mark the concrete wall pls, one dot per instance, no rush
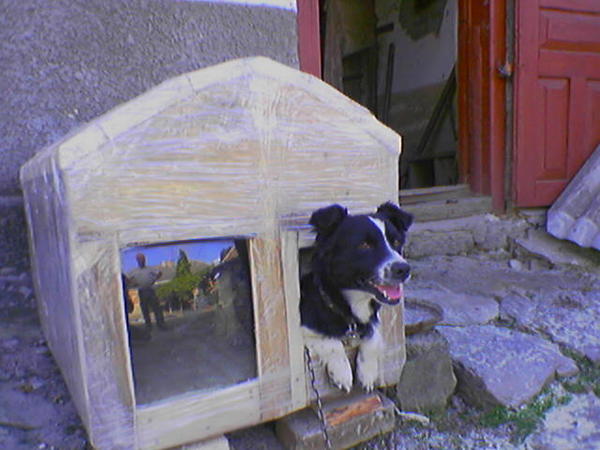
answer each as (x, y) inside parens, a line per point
(64, 62)
(424, 62)
(421, 68)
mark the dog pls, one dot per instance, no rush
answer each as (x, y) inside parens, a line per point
(357, 266)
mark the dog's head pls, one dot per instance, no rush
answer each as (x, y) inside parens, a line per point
(362, 252)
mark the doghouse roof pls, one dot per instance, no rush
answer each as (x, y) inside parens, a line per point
(219, 151)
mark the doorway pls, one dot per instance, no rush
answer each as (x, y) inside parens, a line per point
(398, 59)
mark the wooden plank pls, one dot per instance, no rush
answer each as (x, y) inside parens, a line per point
(393, 357)
(291, 284)
(197, 415)
(270, 318)
(107, 366)
(336, 414)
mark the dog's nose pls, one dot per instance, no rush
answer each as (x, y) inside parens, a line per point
(400, 270)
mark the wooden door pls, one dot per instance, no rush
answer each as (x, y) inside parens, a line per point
(557, 95)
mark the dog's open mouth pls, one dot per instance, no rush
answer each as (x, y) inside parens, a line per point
(389, 294)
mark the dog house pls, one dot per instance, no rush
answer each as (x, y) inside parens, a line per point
(231, 159)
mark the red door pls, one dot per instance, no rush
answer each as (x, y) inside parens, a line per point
(557, 95)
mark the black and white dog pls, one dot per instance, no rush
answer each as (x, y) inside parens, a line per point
(357, 266)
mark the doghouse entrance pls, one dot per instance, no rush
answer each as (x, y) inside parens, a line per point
(398, 59)
(190, 317)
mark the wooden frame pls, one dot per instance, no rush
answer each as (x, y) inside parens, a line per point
(245, 148)
(482, 97)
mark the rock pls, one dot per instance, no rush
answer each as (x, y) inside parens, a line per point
(458, 308)
(427, 379)
(573, 426)
(25, 292)
(500, 366)
(515, 264)
(550, 312)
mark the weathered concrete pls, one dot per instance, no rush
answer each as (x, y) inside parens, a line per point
(500, 366)
(575, 215)
(66, 62)
(427, 380)
(573, 426)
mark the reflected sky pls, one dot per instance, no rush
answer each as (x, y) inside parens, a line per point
(207, 251)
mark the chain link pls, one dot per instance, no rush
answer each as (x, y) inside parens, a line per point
(320, 413)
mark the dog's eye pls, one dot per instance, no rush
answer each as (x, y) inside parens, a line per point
(397, 243)
(365, 245)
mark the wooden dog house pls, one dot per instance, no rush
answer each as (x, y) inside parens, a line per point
(246, 149)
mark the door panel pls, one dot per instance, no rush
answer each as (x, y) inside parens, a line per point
(557, 95)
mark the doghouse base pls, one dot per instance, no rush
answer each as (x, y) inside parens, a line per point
(350, 420)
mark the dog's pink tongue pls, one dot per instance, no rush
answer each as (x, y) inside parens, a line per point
(393, 292)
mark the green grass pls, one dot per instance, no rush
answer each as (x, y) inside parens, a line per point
(588, 378)
(525, 420)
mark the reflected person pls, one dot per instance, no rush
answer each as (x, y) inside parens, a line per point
(143, 278)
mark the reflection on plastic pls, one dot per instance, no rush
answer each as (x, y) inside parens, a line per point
(190, 317)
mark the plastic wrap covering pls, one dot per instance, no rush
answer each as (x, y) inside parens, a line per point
(243, 150)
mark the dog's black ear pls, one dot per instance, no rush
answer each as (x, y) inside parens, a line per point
(326, 220)
(401, 219)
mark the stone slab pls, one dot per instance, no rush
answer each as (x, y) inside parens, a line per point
(303, 430)
(458, 308)
(501, 366)
(569, 317)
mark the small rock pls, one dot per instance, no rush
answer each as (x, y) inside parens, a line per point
(25, 292)
(427, 378)
(499, 366)
(515, 264)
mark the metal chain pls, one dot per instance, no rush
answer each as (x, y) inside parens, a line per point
(319, 402)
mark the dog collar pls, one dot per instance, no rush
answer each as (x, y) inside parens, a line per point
(356, 330)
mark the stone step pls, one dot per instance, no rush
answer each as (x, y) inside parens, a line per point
(350, 420)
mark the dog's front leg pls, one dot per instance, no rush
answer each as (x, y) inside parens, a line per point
(367, 360)
(332, 355)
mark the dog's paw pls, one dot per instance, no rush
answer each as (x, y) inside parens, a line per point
(340, 373)
(367, 373)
